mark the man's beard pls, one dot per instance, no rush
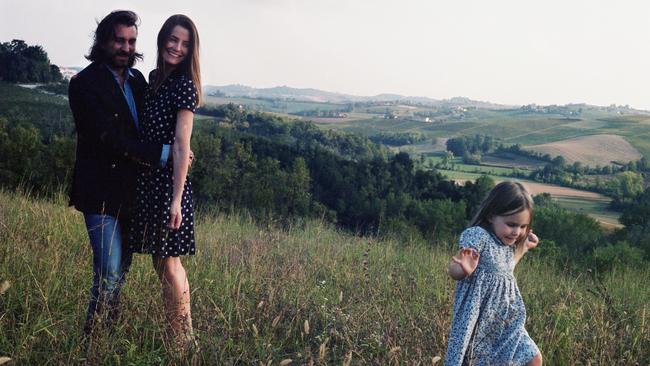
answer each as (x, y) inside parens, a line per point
(111, 57)
(120, 64)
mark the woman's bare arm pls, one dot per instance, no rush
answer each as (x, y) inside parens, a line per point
(181, 154)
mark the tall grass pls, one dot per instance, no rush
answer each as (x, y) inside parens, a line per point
(309, 294)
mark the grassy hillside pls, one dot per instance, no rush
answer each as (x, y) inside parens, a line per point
(527, 126)
(307, 293)
(524, 129)
(50, 114)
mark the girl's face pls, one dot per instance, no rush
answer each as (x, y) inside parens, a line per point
(177, 46)
(511, 228)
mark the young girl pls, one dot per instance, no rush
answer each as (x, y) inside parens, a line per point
(489, 313)
(164, 224)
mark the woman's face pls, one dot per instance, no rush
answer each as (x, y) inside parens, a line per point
(177, 46)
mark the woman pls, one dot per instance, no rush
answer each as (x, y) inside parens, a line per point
(163, 224)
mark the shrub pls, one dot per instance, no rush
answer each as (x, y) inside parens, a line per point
(620, 254)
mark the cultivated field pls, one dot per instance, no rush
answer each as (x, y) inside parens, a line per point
(304, 295)
(528, 128)
(593, 204)
(591, 150)
(512, 161)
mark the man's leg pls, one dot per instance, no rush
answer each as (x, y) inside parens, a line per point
(110, 264)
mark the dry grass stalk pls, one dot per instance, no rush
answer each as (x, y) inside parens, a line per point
(322, 350)
(4, 287)
(275, 321)
(348, 359)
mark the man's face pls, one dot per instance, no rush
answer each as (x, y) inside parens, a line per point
(121, 48)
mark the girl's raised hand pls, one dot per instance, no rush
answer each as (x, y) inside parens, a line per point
(531, 241)
(467, 259)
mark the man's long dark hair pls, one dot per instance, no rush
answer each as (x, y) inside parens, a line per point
(105, 33)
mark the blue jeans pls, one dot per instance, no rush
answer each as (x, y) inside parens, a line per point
(111, 262)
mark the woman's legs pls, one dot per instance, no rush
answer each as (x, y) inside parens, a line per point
(176, 296)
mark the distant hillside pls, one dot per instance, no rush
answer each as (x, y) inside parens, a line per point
(69, 71)
(315, 95)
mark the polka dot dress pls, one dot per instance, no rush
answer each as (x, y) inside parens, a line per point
(149, 232)
(489, 313)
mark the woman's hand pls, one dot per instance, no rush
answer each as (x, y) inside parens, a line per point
(175, 216)
(465, 261)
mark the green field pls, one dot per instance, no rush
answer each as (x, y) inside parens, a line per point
(457, 175)
(528, 131)
(280, 106)
(513, 126)
(458, 166)
(598, 208)
(308, 294)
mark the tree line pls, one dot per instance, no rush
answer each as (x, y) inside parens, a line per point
(22, 63)
(277, 169)
(257, 162)
(623, 183)
(398, 138)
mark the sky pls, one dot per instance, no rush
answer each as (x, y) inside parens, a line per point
(503, 51)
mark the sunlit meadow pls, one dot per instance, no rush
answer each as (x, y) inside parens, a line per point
(306, 294)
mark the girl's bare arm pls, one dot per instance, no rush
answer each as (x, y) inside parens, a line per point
(531, 242)
(463, 264)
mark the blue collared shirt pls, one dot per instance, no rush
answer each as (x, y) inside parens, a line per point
(128, 96)
(127, 92)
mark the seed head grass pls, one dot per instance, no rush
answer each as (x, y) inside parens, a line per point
(302, 294)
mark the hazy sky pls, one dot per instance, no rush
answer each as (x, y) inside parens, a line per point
(503, 51)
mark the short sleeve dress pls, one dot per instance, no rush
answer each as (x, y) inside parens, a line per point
(489, 313)
(148, 231)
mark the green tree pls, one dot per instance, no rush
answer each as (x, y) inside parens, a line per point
(22, 63)
(207, 168)
(575, 233)
(626, 185)
(298, 184)
(57, 170)
(22, 150)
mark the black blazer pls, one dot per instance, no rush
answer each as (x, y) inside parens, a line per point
(108, 148)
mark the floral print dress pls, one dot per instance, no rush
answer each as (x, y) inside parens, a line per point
(489, 313)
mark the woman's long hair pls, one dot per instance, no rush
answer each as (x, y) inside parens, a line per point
(105, 33)
(190, 64)
(505, 199)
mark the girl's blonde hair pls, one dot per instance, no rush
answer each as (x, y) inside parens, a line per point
(505, 199)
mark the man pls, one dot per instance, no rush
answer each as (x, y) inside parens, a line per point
(106, 98)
